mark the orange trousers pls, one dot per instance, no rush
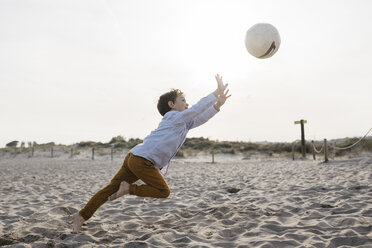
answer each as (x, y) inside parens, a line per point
(133, 169)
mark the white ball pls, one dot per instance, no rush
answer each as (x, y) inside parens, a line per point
(262, 40)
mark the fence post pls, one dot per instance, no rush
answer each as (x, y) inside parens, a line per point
(112, 153)
(333, 150)
(93, 153)
(212, 152)
(32, 151)
(293, 157)
(303, 148)
(325, 151)
(51, 152)
(72, 152)
(313, 149)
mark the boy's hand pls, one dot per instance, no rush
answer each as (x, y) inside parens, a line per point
(220, 86)
(220, 93)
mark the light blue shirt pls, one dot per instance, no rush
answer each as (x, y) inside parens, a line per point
(162, 144)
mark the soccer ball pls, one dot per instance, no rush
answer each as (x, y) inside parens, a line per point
(262, 40)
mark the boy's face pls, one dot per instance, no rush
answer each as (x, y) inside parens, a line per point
(179, 104)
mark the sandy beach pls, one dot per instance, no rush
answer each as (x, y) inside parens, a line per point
(269, 202)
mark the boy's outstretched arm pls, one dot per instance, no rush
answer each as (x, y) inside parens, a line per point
(221, 93)
(203, 104)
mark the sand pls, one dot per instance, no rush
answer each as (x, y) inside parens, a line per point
(233, 203)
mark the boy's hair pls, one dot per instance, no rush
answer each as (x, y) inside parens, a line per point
(163, 106)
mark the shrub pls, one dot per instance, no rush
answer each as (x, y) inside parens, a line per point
(180, 154)
(133, 142)
(117, 139)
(12, 144)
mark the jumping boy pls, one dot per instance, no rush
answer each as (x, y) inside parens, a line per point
(149, 160)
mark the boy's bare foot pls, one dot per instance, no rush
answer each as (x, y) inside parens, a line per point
(77, 221)
(123, 190)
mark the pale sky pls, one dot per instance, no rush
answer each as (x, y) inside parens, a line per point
(75, 70)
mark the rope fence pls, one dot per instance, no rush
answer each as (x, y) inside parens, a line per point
(350, 146)
(55, 151)
(110, 151)
(314, 147)
(325, 146)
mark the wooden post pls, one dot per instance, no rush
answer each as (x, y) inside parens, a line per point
(334, 151)
(313, 149)
(293, 157)
(303, 148)
(212, 152)
(303, 139)
(93, 153)
(72, 152)
(325, 151)
(51, 152)
(32, 151)
(112, 153)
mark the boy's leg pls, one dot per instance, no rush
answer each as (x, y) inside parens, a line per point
(123, 189)
(155, 185)
(124, 174)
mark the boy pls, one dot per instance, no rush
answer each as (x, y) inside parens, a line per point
(149, 160)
